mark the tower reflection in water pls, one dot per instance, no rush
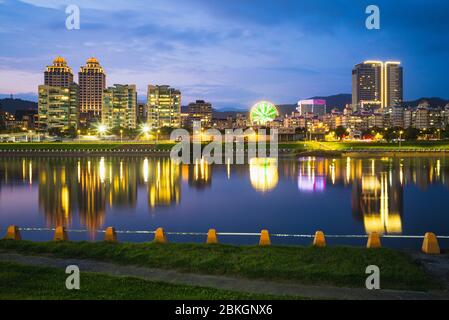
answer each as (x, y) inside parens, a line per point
(377, 192)
(162, 177)
(56, 199)
(92, 186)
(198, 175)
(379, 200)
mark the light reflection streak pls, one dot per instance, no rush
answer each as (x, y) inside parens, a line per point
(263, 174)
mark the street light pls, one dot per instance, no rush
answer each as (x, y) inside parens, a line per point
(101, 129)
(79, 137)
(121, 135)
(144, 130)
(400, 138)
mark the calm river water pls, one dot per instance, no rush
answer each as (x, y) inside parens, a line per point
(340, 196)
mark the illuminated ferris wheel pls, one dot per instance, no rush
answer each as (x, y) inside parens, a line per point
(263, 112)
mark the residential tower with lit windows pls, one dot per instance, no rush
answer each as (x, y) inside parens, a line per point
(164, 107)
(377, 84)
(201, 112)
(120, 107)
(92, 83)
(59, 74)
(58, 108)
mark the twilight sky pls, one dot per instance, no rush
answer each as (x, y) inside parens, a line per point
(229, 52)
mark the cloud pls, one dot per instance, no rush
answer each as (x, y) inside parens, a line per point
(231, 52)
(18, 81)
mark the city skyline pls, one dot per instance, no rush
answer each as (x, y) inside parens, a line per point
(227, 53)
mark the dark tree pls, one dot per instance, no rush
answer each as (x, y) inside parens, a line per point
(56, 132)
(411, 134)
(340, 132)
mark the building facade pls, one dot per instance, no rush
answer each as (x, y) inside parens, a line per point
(58, 107)
(164, 107)
(142, 113)
(395, 117)
(59, 74)
(241, 121)
(377, 84)
(7, 120)
(393, 87)
(92, 83)
(120, 107)
(366, 85)
(421, 118)
(312, 106)
(200, 111)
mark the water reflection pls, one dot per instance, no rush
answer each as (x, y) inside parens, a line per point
(89, 188)
(311, 175)
(378, 200)
(263, 174)
(163, 183)
(199, 175)
(377, 188)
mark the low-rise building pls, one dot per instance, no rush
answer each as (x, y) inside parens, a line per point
(241, 121)
(200, 111)
(421, 118)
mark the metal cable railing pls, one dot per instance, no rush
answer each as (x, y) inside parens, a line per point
(243, 234)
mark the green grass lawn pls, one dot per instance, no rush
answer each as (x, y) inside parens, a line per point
(104, 146)
(340, 266)
(298, 146)
(346, 145)
(42, 283)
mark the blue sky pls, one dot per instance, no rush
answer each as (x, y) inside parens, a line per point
(229, 52)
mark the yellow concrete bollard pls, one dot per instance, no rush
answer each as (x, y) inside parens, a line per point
(212, 237)
(159, 236)
(373, 241)
(60, 234)
(430, 244)
(13, 233)
(264, 238)
(319, 240)
(110, 235)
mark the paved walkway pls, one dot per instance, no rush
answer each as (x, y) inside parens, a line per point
(220, 282)
(438, 265)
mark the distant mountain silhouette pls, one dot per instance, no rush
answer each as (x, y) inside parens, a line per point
(433, 102)
(286, 108)
(28, 96)
(12, 105)
(338, 101)
(218, 114)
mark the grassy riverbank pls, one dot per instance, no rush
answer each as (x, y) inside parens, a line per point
(349, 146)
(43, 283)
(80, 146)
(298, 146)
(339, 266)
